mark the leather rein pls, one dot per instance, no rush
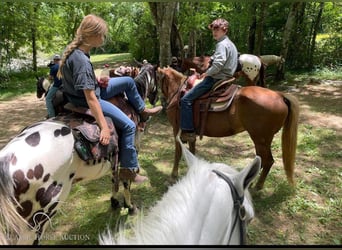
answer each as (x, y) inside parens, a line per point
(238, 205)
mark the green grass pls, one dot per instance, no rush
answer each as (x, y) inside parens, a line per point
(99, 60)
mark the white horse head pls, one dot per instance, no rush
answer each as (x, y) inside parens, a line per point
(199, 209)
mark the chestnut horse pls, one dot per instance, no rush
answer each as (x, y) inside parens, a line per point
(259, 111)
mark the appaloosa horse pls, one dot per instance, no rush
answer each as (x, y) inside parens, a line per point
(259, 111)
(249, 66)
(37, 170)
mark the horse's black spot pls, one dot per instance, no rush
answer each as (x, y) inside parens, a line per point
(33, 139)
(46, 178)
(21, 183)
(71, 176)
(57, 132)
(25, 209)
(30, 174)
(38, 171)
(44, 197)
(40, 194)
(63, 131)
(52, 207)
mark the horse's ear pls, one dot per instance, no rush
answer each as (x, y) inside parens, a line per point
(249, 173)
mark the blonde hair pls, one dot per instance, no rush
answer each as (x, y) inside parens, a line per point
(91, 25)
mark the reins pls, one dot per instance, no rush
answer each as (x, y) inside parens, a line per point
(238, 205)
(176, 92)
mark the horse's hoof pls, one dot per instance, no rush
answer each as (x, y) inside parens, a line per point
(171, 181)
(115, 204)
(132, 210)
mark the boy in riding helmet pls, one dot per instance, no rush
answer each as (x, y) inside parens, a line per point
(223, 66)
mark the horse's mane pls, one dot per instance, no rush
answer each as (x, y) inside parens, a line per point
(174, 73)
(178, 216)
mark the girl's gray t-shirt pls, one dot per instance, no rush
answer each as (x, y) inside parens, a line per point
(78, 74)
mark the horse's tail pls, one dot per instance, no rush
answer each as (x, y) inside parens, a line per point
(10, 220)
(289, 136)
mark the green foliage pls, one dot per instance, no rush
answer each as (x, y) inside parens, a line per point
(132, 30)
(19, 83)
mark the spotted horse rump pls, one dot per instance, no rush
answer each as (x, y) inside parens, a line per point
(37, 169)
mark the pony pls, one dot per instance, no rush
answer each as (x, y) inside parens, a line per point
(268, 60)
(201, 209)
(145, 82)
(34, 182)
(259, 111)
(249, 66)
(43, 85)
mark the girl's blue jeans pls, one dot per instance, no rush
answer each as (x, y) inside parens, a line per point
(126, 128)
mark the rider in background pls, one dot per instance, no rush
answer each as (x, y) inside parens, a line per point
(174, 64)
(223, 66)
(82, 89)
(54, 88)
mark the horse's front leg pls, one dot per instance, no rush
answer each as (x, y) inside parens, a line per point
(192, 147)
(177, 157)
(132, 209)
(115, 204)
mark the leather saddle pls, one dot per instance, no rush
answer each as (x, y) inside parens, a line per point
(217, 99)
(87, 135)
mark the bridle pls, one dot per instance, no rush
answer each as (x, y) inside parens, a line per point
(238, 205)
(147, 80)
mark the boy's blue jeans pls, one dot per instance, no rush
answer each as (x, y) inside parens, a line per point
(188, 99)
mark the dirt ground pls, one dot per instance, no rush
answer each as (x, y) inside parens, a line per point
(320, 107)
(20, 112)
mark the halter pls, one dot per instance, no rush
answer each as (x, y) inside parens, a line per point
(238, 205)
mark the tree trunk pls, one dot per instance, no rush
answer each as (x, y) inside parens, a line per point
(291, 20)
(252, 28)
(163, 13)
(34, 36)
(192, 44)
(260, 28)
(314, 34)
